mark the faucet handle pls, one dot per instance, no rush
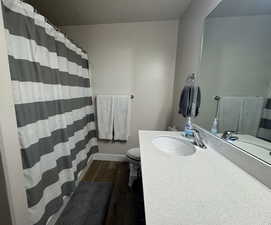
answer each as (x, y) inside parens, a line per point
(195, 130)
(228, 133)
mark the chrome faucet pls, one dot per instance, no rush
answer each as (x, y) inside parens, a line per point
(198, 140)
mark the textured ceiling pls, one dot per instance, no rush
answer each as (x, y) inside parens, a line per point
(83, 12)
(242, 8)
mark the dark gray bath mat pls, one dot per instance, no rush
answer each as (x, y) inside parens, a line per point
(88, 204)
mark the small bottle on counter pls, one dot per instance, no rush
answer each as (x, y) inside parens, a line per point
(188, 132)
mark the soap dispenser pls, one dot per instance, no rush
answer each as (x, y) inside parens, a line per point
(214, 129)
(188, 132)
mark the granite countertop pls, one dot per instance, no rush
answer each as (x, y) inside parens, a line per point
(202, 189)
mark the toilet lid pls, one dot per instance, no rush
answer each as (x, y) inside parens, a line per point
(134, 154)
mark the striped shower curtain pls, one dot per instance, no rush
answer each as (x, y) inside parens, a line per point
(265, 125)
(55, 116)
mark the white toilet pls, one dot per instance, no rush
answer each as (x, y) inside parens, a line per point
(133, 156)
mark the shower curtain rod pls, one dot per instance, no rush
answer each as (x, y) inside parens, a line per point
(56, 28)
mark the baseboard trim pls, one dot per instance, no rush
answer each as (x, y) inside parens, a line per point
(110, 157)
(83, 172)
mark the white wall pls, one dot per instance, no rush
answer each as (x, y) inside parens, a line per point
(133, 58)
(189, 48)
(9, 142)
(236, 61)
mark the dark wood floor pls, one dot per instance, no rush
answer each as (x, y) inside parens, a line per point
(126, 205)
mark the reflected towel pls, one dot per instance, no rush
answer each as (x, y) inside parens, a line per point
(251, 115)
(230, 110)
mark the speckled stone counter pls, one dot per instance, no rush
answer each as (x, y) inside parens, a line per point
(202, 189)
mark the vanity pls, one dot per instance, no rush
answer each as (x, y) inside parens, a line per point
(229, 181)
(202, 188)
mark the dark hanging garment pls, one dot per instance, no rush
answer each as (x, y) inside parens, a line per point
(186, 101)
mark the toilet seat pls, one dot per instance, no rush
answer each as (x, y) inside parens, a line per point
(134, 154)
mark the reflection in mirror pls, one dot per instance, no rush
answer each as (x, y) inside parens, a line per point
(235, 75)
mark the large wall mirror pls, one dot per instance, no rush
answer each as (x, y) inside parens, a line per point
(235, 75)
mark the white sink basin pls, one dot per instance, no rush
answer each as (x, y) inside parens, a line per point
(174, 145)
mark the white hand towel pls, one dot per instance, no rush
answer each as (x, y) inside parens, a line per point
(230, 110)
(252, 112)
(105, 113)
(121, 106)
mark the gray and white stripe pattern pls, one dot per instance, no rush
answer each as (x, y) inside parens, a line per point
(265, 124)
(54, 110)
